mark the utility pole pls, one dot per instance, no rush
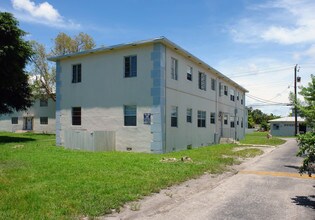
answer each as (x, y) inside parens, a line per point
(295, 102)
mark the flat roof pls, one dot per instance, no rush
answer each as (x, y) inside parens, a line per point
(163, 40)
(288, 119)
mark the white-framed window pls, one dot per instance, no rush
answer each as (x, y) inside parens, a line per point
(189, 115)
(220, 89)
(130, 115)
(226, 89)
(189, 73)
(212, 118)
(201, 122)
(174, 116)
(43, 102)
(213, 84)
(76, 115)
(225, 119)
(232, 95)
(14, 120)
(242, 101)
(76, 73)
(202, 81)
(43, 120)
(238, 96)
(130, 66)
(232, 121)
(174, 69)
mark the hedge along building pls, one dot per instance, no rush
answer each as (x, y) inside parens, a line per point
(152, 96)
(40, 117)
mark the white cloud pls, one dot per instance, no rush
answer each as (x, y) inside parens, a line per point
(43, 13)
(283, 22)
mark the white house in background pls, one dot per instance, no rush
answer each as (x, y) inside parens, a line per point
(40, 117)
(286, 126)
(153, 96)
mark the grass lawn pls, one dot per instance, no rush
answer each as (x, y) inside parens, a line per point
(41, 181)
(261, 138)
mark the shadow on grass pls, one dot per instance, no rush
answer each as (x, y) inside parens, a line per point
(8, 139)
(306, 201)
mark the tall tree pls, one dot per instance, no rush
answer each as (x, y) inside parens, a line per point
(307, 140)
(15, 52)
(44, 73)
(64, 44)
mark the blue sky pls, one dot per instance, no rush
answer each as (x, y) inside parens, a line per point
(256, 43)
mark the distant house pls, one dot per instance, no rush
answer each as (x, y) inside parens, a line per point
(40, 117)
(148, 96)
(286, 126)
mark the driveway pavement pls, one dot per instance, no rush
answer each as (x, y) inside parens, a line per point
(267, 187)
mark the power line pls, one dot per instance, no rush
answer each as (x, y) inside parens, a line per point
(258, 72)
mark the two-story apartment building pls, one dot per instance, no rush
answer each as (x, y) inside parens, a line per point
(40, 117)
(153, 95)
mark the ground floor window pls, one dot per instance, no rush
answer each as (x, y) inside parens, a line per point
(43, 120)
(130, 115)
(14, 120)
(275, 126)
(225, 119)
(212, 118)
(189, 115)
(76, 115)
(174, 116)
(232, 121)
(201, 119)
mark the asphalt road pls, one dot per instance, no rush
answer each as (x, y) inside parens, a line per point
(268, 187)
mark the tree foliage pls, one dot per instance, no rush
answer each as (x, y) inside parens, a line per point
(44, 73)
(15, 52)
(257, 117)
(307, 140)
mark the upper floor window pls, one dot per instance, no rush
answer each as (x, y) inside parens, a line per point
(174, 116)
(213, 84)
(212, 118)
(189, 73)
(130, 115)
(226, 89)
(130, 66)
(238, 96)
(232, 95)
(76, 115)
(201, 119)
(189, 115)
(220, 89)
(14, 120)
(43, 102)
(43, 120)
(174, 69)
(76, 73)
(242, 99)
(202, 81)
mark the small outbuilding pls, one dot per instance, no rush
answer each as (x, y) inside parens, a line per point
(286, 126)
